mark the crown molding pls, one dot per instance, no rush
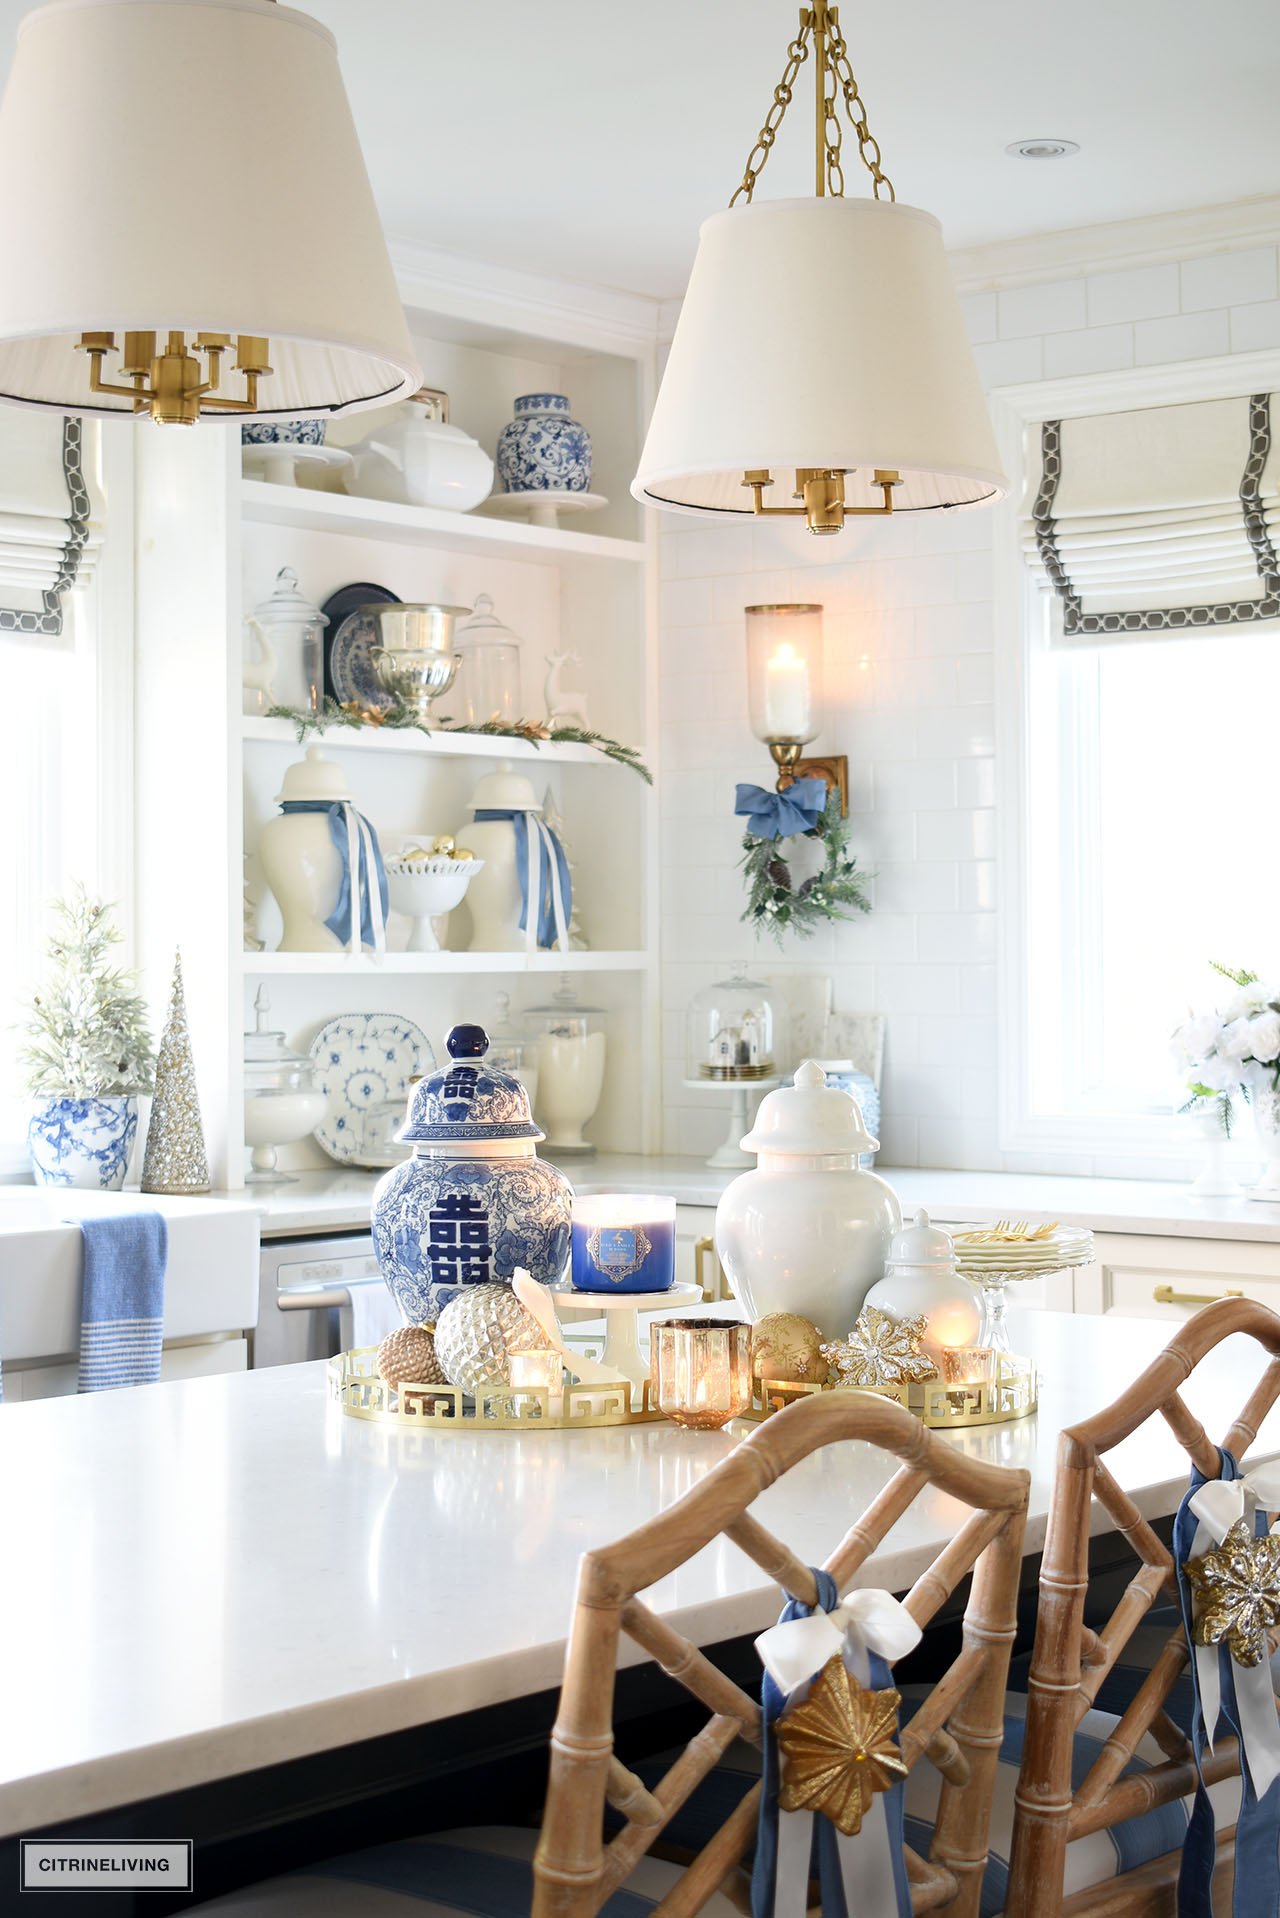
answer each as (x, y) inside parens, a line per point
(1093, 249)
(565, 312)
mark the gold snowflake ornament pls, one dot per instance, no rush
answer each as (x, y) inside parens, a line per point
(881, 1350)
(837, 1748)
(1237, 1588)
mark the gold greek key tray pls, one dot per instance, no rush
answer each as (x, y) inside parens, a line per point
(1011, 1394)
(354, 1385)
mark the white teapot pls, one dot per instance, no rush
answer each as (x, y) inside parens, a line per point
(807, 1231)
(419, 458)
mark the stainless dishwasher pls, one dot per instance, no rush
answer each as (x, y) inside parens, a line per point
(304, 1295)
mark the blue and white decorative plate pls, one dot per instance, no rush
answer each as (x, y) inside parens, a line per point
(348, 666)
(364, 1062)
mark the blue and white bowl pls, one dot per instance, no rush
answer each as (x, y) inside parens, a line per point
(543, 449)
(474, 1201)
(83, 1142)
(283, 433)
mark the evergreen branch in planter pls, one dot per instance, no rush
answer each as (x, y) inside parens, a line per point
(87, 1026)
(399, 717)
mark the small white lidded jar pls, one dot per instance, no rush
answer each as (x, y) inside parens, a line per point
(921, 1278)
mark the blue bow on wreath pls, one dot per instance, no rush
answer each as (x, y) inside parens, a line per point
(773, 815)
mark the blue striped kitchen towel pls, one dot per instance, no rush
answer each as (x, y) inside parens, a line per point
(122, 1305)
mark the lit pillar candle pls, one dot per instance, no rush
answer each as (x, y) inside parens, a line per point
(623, 1242)
(786, 694)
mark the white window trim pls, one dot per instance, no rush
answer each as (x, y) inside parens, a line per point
(1013, 408)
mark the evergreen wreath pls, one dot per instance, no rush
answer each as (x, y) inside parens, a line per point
(838, 891)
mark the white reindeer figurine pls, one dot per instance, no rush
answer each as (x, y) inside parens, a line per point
(259, 676)
(562, 705)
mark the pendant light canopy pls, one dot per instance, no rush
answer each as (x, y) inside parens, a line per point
(188, 227)
(820, 366)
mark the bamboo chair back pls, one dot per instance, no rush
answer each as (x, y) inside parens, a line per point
(959, 1725)
(1070, 1661)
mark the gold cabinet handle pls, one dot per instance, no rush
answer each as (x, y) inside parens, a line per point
(701, 1247)
(1165, 1295)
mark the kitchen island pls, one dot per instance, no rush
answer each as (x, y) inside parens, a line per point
(227, 1574)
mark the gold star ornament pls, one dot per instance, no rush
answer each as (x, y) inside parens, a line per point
(1237, 1588)
(837, 1748)
(882, 1350)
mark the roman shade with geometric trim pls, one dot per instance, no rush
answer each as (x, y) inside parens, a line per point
(1161, 521)
(50, 520)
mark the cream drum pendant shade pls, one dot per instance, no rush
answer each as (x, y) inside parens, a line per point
(822, 333)
(191, 164)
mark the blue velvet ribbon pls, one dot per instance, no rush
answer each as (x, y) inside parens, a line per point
(1257, 1850)
(339, 920)
(549, 874)
(774, 815)
(825, 1862)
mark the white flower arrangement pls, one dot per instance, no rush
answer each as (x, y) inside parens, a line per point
(1236, 1049)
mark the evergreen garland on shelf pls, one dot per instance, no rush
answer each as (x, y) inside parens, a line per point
(399, 717)
(774, 901)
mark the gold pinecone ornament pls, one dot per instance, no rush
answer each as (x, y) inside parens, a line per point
(408, 1356)
(175, 1159)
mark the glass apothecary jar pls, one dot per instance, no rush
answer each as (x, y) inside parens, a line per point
(734, 1030)
(287, 630)
(511, 1050)
(569, 1051)
(282, 1102)
(488, 683)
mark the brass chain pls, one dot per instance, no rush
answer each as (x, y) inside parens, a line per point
(797, 54)
(843, 78)
(868, 145)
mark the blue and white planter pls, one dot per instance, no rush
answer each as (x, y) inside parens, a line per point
(474, 1201)
(83, 1142)
(543, 449)
(284, 433)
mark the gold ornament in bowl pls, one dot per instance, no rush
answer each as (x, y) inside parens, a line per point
(1237, 1588)
(838, 1748)
(787, 1347)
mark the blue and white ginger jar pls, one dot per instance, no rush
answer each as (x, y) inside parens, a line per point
(544, 450)
(83, 1142)
(474, 1201)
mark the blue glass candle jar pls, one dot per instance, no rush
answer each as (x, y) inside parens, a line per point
(623, 1242)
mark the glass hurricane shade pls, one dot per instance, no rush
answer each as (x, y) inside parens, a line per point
(784, 672)
(822, 333)
(191, 164)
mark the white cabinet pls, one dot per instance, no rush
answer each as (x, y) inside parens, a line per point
(1147, 1277)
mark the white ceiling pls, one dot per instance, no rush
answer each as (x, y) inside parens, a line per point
(587, 138)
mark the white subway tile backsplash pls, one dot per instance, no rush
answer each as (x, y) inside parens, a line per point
(978, 886)
(976, 782)
(709, 550)
(897, 1141)
(956, 629)
(917, 886)
(962, 937)
(960, 1145)
(947, 1040)
(957, 834)
(979, 311)
(975, 679)
(1229, 279)
(967, 729)
(1010, 362)
(1254, 328)
(685, 602)
(918, 988)
(909, 784)
(1136, 293)
(1093, 349)
(1190, 336)
(879, 939)
(1051, 307)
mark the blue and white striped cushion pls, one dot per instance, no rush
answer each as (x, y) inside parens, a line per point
(485, 1872)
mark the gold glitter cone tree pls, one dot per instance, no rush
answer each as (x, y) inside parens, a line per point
(175, 1159)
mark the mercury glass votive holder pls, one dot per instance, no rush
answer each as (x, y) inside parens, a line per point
(700, 1370)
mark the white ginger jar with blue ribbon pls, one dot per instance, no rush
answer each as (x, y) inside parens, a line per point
(544, 449)
(474, 1201)
(322, 861)
(522, 898)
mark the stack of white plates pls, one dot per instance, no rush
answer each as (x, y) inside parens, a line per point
(1014, 1250)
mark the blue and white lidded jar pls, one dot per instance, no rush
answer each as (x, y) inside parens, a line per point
(474, 1201)
(543, 449)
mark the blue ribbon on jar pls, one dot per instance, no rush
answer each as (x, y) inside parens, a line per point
(781, 815)
(544, 877)
(360, 916)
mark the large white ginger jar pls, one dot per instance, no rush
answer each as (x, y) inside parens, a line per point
(299, 859)
(921, 1279)
(807, 1231)
(495, 897)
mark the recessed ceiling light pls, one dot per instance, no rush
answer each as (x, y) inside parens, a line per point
(1042, 149)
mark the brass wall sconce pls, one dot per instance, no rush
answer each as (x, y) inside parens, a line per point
(784, 693)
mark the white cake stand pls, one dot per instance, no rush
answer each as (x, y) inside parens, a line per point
(728, 1155)
(621, 1315)
(542, 506)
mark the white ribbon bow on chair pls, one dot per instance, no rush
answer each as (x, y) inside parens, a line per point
(1218, 1505)
(793, 1653)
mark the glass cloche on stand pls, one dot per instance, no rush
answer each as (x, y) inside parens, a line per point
(569, 1054)
(282, 1102)
(734, 1041)
(488, 682)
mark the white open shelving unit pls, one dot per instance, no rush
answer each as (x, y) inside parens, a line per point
(208, 546)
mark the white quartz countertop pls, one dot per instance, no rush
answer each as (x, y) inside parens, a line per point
(339, 1200)
(222, 1573)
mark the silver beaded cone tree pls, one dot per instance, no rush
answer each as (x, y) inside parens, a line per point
(175, 1159)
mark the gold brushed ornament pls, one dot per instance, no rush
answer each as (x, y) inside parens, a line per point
(787, 1347)
(837, 1748)
(1237, 1588)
